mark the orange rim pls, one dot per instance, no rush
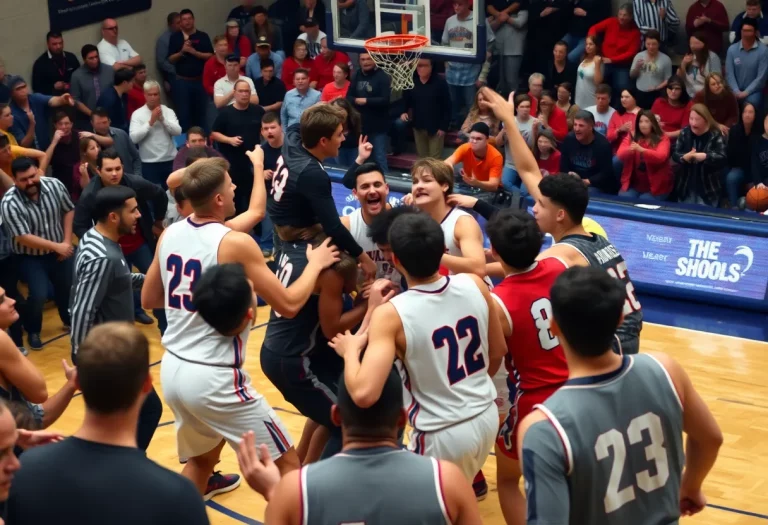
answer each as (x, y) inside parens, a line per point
(395, 43)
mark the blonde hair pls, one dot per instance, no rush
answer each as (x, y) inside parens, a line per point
(702, 111)
(203, 179)
(442, 172)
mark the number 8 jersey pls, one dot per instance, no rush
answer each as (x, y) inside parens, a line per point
(445, 365)
(186, 251)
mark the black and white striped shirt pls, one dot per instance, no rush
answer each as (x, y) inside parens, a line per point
(42, 217)
(103, 286)
(646, 14)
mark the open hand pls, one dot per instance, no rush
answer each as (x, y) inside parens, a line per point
(257, 467)
(463, 201)
(346, 342)
(325, 255)
(256, 155)
(34, 438)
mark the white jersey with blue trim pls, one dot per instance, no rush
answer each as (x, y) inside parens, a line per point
(359, 230)
(445, 363)
(186, 251)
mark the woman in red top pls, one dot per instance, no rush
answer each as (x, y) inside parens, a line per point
(672, 111)
(552, 116)
(340, 85)
(298, 60)
(720, 101)
(545, 151)
(238, 44)
(622, 122)
(647, 173)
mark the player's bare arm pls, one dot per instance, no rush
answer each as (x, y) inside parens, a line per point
(285, 504)
(469, 238)
(460, 500)
(566, 253)
(331, 306)
(365, 378)
(241, 248)
(503, 316)
(497, 345)
(174, 179)
(257, 206)
(703, 436)
(20, 372)
(153, 293)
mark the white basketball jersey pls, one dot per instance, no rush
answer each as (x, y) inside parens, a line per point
(359, 230)
(186, 251)
(449, 225)
(445, 366)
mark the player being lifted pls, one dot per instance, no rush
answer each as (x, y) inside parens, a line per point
(561, 202)
(202, 376)
(446, 332)
(607, 447)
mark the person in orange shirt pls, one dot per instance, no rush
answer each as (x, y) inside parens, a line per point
(482, 163)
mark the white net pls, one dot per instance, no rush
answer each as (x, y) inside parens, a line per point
(389, 55)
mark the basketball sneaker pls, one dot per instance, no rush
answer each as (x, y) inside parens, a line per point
(480, 486)
(220, 483)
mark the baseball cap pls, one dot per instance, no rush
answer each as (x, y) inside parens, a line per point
(233, 23)
(262, 41)
(232, 58)
(310, 22)
(15, 81)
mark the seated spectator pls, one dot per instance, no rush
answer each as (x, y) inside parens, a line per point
(623, 121)
(700, 151)
(237, 43)
(621, 42)
(481, 162)
(153, 127)
(312, 36)
(224, 88)
(562, 69)
(552, 117)
(109, 137)
(510, 179)
(565, 102)
(760, 159)
(261, 26)
(370, 95)
(720, 101)
(41, 239)
(64, 153)
(340, 85)
(743, 143)
(652, 69)
(753, 10)
(89, 156)
(299, 60)
(697, 63)
(535, 87)
(646, 173)
(324, 66)
(589, 74)
(709, 19)
(349, 150)
(298, 99)
(269, 88)
(31, 117)
(476, 114)
(114, 51)
(264, 52)
(602, 110)
(587, 154)
(672, 110)
(113, 99)
(196, 138)
(113, 374)
(135, 96)
(746, 64)
(546, 153)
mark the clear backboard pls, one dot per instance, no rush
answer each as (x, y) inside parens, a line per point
(466, 43)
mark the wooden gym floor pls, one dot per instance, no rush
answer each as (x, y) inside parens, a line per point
(730, 373)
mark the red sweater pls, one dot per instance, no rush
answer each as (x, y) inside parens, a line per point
(657, 165)
(671, 118)
(712, 31)
(135, 100)
(289, 68)
(551, 165)
(558, 123)
(617, 120)
(619, 44)
(212, 71)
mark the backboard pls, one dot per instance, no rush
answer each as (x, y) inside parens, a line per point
(467, 42)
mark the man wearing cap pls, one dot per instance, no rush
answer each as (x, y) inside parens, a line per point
(30, 112)
(263, 52)
(224, 88)
(215, 67)
(481, 162)
(322, 66)
(312, 37)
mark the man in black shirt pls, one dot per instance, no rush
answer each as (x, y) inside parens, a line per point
(53, 69)
(237, 129)
(561, 69)
(98, 475)
(188, 50)
(301, 202)
(271, 89)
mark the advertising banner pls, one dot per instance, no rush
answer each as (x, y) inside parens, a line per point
(69, 14)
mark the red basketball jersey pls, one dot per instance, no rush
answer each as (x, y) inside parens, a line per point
(534, 355)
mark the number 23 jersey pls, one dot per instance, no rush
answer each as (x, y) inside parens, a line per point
(445, 365)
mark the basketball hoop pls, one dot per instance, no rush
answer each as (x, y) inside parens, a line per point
(397, 55)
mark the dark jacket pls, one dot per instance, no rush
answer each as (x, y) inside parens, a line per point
(48, 70)
(427, 104)
(593, 161)
(740, 146)
(597, 10)
(373, 86)
(704, 178)
(150, 197)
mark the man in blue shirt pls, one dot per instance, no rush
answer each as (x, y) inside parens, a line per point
(298, 99)
(746, 65)
(30, 110)
(113, 98)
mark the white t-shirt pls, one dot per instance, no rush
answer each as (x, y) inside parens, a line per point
(109, 54)
(224, 87)
(601, 119)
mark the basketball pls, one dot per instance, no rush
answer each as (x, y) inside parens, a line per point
(757, 199)
(592, 226)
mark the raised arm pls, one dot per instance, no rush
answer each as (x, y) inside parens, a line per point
(257, 207)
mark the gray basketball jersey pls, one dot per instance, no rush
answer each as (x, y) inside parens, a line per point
(611, 450)
(301, 335)
(375, 486)
(598, 251)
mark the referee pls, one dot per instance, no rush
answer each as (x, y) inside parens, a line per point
(103, 289)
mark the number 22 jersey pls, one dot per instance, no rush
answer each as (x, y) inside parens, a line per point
(445, 364)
